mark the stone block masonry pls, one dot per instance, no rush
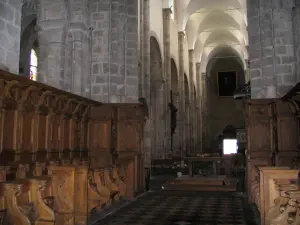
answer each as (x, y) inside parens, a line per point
(10, 28)
(271, 47)
(114, 50)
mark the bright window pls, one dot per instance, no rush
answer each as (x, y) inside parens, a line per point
(33, 65)
(230, 146)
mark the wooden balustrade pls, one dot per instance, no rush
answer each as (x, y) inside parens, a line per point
(63, 157)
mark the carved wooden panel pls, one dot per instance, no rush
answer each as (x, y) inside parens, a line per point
(42, 132)
(259, 128)
(27, 123)
(99, 135)
(66, 135)
(259, 135)
(102, 112)
(46, 131)
(128, 138)
(9, 128)
(287, 134)
(130, 112)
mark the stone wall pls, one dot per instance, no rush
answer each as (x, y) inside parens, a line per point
(271, 47)
(114, 50)
(224, 111)
(10, 31)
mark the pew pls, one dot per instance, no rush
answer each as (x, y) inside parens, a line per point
(63, 157)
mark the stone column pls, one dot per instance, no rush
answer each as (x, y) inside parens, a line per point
(78, 58)
(203, 111)
(115, 50)
(167, 75)
(176, 137)
(159, 139)
(191, 94)
(296, 31)
(198, 108)
(187, 126)
(271, 48)
(52, 24)
(81, 82)
(181, 108)
(144, 77)
(10, 32)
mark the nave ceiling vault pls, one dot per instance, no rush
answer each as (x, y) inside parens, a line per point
(213, 28)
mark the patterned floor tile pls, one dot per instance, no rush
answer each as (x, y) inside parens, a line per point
(175, 208)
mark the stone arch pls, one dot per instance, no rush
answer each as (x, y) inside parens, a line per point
(229, 131)
(155, 60)
(157, 99)
(29, 40)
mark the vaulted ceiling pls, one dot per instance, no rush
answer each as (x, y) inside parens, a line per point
(214, 27)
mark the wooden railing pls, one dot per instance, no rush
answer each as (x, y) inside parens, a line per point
(63, 158)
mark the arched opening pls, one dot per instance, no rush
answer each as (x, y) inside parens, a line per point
(186, 117)
(157, 101)
(174, 107)
(225, 74)
(29, 49)
(33, 65)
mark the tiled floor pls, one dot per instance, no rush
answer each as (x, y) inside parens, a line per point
(171, 208)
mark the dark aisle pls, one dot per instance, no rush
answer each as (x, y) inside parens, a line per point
(195, 208)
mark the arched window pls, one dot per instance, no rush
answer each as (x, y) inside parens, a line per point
(33, 65)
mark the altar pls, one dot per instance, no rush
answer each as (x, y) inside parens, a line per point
(212, 181)
(191, 160)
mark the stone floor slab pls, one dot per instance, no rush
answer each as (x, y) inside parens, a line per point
(171, 208)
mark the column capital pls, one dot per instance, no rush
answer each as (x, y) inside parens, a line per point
(191, 51)
(181, 34)
(167, 13)
(198, 65)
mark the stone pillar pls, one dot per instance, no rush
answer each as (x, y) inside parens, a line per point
(115, 50)
(10, 32)
(271, 48)
(52, 24)
(158, 129)
(181, 109)
(191, 94)
(81, 82)
(187, 127)
(203, 111)
(176, 137)
(198, 108)
(296, 31)
(167, 75)
(78, 66)
(144, 77)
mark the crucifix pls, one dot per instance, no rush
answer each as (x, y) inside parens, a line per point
(173, 111)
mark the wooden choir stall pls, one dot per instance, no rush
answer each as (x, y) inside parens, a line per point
(64, 158)
(273, 142)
